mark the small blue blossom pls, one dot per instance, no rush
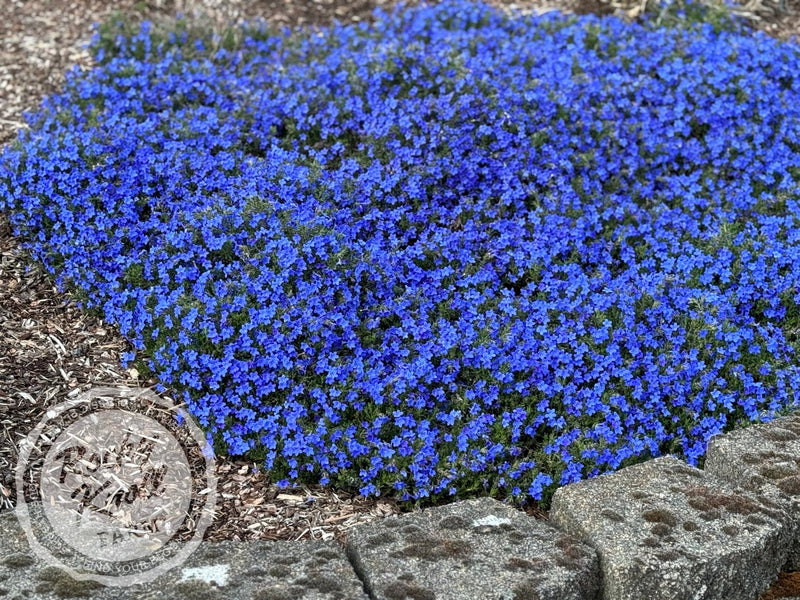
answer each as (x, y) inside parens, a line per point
(454, 249)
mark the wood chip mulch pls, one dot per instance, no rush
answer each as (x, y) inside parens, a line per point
(50, 350)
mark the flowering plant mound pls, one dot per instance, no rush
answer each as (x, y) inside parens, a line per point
(448, 252)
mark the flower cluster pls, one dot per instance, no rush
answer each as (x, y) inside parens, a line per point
(455, 250)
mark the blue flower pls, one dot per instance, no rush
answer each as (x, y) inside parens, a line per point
(451, 249)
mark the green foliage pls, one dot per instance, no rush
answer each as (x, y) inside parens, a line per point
(199, 37)
(692, 14)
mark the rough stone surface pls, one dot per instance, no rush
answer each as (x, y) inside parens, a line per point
(764, 459)
(469, 550)
(258, 571)
(664, 530)
(215, 571)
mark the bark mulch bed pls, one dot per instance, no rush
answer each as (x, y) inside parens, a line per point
(50, 350)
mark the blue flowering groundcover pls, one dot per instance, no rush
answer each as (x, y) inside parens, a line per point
(450, 252)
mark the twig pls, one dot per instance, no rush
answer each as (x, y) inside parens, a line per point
(15, 123)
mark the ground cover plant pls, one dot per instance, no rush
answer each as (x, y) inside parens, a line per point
(451, 252)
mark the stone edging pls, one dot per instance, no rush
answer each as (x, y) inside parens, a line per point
(657, 530)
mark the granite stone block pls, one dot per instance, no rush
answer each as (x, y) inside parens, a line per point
(764, 459)
(475, 549)
(248, 570)
(665, 530)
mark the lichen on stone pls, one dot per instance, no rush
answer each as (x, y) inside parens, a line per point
(730, 530)
(778, 434)
(612, 515)
(279, 571)
(686, 470)
(214, 551)
(320, 582)
(279, 594)
(660, 515)
(374, 541)
(516, 536)
(660, 529)
(326, 554)
(528, 589)
(516, 563)
(453, 522)
(768, 455)
(667, 555)
(750, 458)
(704, 499)
(791, 423)
(572, 553)
(196, 590)
(392, 521)
(57, 581)
(777, 471)
(19, 561)
(420, 537)
(438, 550)
(411, 529)
(400, 590)
(790, 485)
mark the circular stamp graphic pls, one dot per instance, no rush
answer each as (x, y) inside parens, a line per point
(117, 485)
